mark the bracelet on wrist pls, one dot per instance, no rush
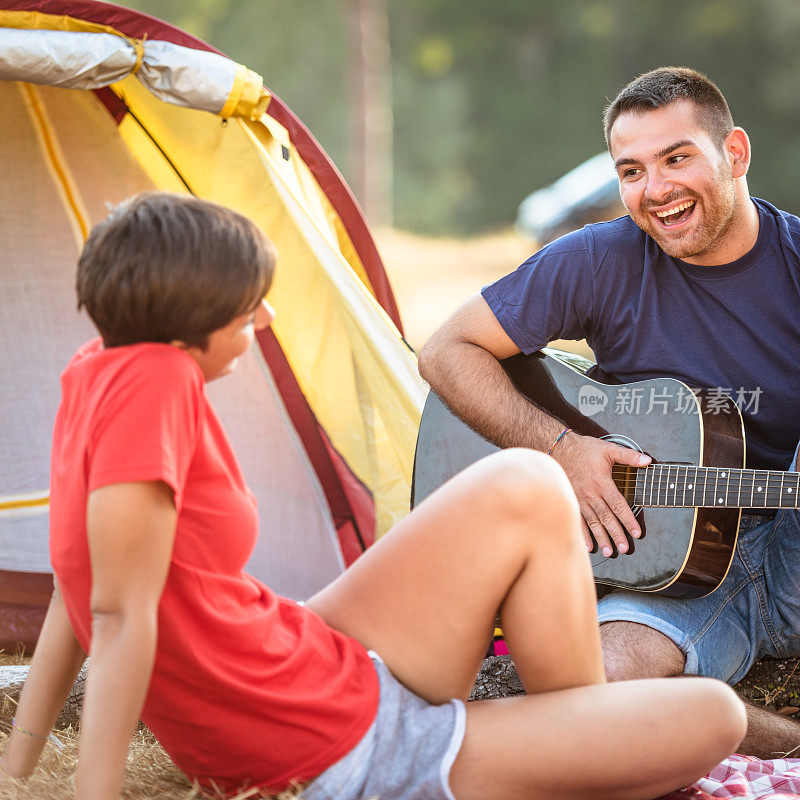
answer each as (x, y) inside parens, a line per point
(558, 439)
(49, 738)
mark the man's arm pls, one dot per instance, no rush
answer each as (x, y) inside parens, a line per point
(56, 663)
(461, 363)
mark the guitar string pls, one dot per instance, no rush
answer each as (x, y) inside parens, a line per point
(774, 482)
(772, 495)
(741, 476)
(747, 481)
(744, 480)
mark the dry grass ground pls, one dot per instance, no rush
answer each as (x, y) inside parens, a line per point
(150, 773)
(432, 277)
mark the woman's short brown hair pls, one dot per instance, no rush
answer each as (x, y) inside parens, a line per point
(165, 267)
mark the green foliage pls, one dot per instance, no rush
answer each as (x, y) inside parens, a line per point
(494, 100)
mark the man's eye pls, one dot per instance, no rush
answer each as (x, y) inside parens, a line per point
(631, 173)
(676, 159)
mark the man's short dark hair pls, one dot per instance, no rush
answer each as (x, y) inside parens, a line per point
(666, 85)
(166, 267)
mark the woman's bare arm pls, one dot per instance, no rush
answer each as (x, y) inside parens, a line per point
(131, 530)
(56, 663)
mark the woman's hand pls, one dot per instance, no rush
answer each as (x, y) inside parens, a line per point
(56, 663)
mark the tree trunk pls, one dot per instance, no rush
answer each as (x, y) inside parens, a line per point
(371, 109)
(773, 684)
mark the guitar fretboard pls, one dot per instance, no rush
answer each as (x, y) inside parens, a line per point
(683, 486)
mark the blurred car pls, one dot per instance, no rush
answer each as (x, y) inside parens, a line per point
(588, 193)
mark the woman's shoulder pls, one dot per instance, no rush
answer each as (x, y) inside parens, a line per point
(151, 369)
(147, 359)
(142, 374)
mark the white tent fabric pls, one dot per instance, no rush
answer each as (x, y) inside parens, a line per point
(48, 130)
(73, 60)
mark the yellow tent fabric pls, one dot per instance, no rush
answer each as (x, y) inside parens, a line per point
(358, 375)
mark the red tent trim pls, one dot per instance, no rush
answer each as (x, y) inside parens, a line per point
(25, 587)
(24, 598)
(113, 103)
(21, 626)
(351, 503)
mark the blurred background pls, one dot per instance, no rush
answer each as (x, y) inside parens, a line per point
(444, 115)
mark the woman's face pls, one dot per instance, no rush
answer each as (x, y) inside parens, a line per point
(227, 344)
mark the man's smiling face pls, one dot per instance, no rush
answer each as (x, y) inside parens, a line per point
(675, 181)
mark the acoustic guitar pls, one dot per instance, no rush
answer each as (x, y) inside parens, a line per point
(688, 501)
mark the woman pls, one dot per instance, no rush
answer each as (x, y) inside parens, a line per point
(359, 692)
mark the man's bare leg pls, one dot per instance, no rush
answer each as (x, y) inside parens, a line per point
(632, 651)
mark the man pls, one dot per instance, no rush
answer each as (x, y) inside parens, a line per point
(701, 283)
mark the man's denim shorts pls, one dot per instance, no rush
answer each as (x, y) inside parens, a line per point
(407, 754)
(755, 612)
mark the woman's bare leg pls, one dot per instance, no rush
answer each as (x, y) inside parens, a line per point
(633, 740)
(503, 536)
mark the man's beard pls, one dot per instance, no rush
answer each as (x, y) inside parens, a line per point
(718, 210)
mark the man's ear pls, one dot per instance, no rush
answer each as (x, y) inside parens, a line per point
(737, 149)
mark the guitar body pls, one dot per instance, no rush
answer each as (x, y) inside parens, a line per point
(684, 552)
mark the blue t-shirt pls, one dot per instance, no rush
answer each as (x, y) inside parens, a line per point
(733, 328)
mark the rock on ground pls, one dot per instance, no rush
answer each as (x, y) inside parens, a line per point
(774, 684)
(13, 677)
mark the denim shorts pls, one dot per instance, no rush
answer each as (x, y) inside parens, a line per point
(754, 612)
(407, 754)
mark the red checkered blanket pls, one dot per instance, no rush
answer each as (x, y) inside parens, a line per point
(746, 777)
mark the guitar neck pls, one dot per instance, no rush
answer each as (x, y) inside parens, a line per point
(676, 485)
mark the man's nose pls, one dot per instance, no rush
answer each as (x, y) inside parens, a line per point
(658, 188)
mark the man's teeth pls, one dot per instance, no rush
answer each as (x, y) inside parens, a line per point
(675, 209)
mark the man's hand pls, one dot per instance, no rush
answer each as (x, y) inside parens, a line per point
(606, 514)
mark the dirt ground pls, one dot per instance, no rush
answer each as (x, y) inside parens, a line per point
(431, 277)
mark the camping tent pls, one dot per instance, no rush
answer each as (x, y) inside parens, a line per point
(100, 102)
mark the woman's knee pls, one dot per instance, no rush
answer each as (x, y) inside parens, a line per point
(529, 486)
(718, 721)
(724, 713)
